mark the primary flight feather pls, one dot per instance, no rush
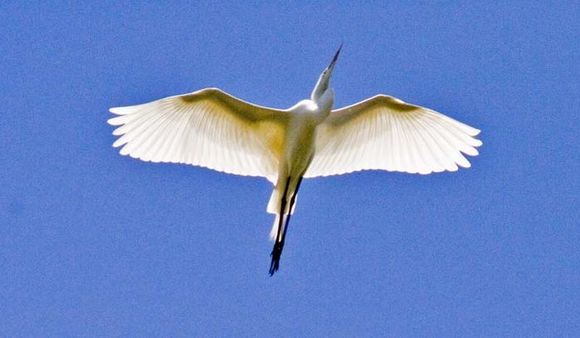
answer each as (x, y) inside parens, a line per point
(210, 128)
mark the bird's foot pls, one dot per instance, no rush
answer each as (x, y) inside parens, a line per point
(276, 254)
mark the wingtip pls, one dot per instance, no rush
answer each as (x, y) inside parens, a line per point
(115, 110)
(474, 131)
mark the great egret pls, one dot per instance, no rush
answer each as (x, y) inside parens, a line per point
(210, 128)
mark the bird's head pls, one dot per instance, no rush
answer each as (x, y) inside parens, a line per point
(323, 83)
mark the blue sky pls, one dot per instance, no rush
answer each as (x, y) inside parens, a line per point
(96, 244)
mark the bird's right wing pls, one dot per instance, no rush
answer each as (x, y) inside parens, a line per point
(207, 128)
(388, 134)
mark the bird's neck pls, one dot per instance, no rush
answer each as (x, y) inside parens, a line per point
(324, 101)
(319, 89)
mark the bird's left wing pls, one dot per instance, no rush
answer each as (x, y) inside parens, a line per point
(386, 133)
(207, 128)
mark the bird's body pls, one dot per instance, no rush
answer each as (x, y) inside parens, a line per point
(298, 152)
(213, 129)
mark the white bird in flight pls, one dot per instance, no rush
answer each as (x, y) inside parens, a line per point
(213, 129)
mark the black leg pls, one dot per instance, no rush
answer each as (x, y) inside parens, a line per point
(279, 244)
(276, 254)
(292, 201)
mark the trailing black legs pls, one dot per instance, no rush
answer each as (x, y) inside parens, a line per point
(283, 223)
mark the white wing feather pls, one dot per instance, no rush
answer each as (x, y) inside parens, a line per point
(388, 134)
(207, 128)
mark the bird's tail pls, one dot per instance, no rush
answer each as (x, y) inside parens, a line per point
(273, 208)
(274, 231)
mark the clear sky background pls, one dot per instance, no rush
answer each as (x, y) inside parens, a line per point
(96, 244)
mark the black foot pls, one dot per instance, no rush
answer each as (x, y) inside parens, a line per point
(276, 254)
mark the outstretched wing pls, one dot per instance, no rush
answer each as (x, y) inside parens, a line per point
(386, 133)
(207, 128)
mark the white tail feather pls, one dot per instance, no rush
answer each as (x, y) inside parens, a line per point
(274, 231)
(275, 201)
(273, 208)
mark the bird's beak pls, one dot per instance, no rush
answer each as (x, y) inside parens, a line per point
(331, 66)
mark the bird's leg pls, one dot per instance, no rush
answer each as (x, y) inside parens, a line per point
(283, 203)
(279, 244)
(292, 201)
(276, 254)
